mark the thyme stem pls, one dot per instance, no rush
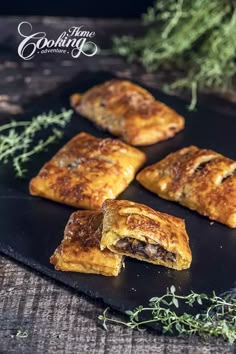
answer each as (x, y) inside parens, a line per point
(216, 317)
(196, 38)
(21, 140)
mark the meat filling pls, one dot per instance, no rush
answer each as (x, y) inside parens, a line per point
(148, 250)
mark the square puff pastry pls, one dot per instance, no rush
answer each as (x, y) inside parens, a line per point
(200, 179)
(87, 171)
(128, 111)
(80, 248)
(137, 231)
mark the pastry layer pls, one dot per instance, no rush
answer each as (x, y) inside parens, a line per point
(80, 248)
(87, 171)
(128, 111)
(200, 179)
(137, 231)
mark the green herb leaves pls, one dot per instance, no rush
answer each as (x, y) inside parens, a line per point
(195, 37)
(19, 140)
(216, 315)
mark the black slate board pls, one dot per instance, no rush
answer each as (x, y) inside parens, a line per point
(31, 228)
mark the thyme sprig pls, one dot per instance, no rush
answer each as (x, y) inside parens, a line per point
(197, 38)
(19, 140)
(217, 320)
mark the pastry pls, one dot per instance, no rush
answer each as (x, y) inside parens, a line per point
(87, 171)
(128, 111)
(80, 248)
(199, 179)
(137, 231)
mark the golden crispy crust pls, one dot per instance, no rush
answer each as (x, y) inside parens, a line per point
(87, 171)
(80, 248)
(124, 219)
(200, 179)
(128, 111)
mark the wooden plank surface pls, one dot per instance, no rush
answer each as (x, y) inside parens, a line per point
(38, 315)
(58, 320)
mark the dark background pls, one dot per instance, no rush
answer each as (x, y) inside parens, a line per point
(84, 8)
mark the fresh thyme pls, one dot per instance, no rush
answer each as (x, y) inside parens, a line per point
(195, 37)
(19, 140)
(216, 315)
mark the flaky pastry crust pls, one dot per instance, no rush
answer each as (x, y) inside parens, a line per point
(128, 111)
(200, 179)
(137, 231)
(87, 171)
(80, 248)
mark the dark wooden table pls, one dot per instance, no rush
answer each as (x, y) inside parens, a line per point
(38, 315)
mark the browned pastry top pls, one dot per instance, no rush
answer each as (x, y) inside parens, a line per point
(80, 251)
(131, 98)
(201, 179)
(136, 218)
(126, 220)
(84, 228)
(87, 171)
(129, 111)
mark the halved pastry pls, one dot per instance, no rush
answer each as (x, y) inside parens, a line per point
(128, 111)
(200, 179)
(137, 231)
(80, 248)
(87, 171)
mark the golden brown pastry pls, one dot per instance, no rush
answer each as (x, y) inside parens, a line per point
(128, 111)
(87, 171)
(137, 231)
(200, 179)
(80, 248)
